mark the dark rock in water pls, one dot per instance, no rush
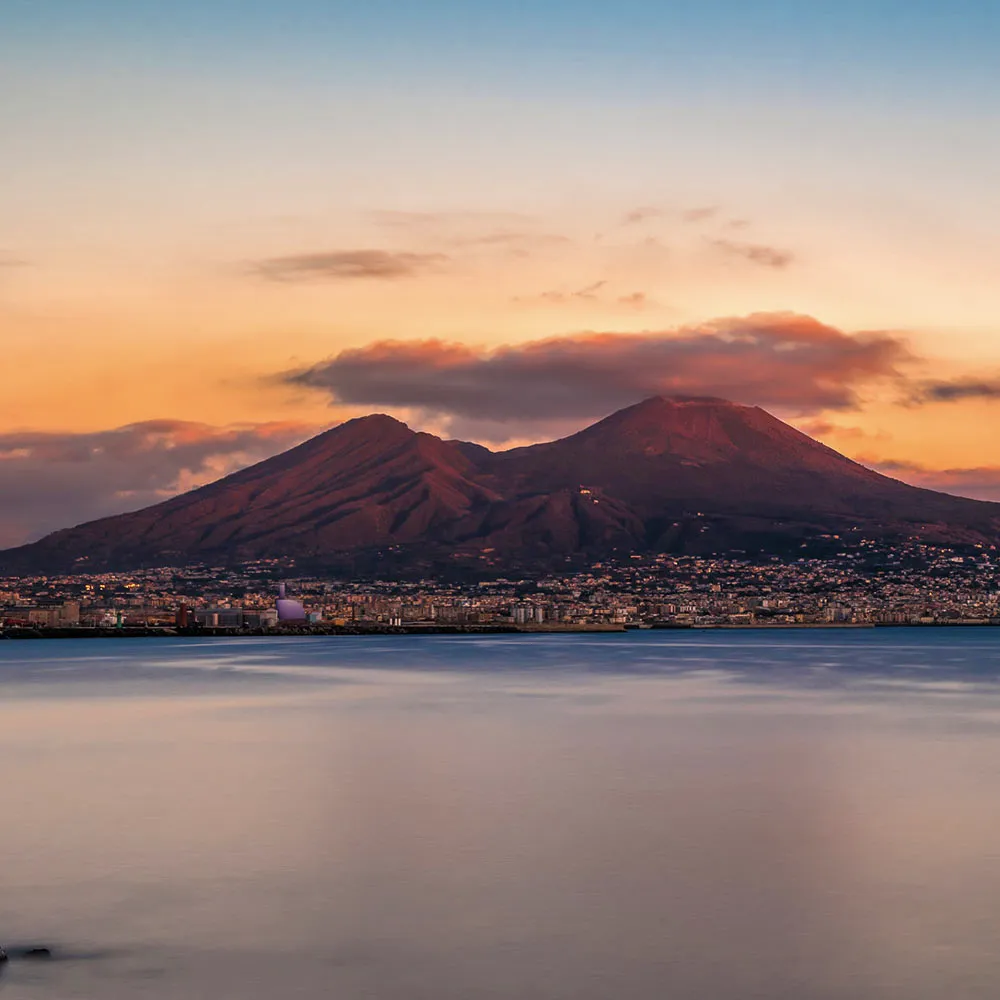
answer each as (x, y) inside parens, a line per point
(37, 953)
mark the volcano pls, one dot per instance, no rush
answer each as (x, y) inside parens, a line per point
(696, 475)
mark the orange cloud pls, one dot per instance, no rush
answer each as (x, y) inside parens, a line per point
(49, 480)
(980, 483)
(785, 361)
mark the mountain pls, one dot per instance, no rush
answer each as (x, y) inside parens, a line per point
(668, 474)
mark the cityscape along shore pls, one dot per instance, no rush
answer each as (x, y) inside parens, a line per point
(868, 584)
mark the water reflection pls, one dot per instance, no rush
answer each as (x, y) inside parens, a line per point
(729, 815)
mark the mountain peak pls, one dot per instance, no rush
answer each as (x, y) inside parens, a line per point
(376, 430)
(670, 473)
(664, 405)
(679, 424)
(378, 422)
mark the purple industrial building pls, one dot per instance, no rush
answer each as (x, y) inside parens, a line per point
(289, 610)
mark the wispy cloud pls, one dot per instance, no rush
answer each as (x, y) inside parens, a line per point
(53, 480)
(756, 253)
(786, 361)
(594, 292)
(955, 390)
(980, 483)
(588, 293)
(508, 238)
(700, 214)
(641, 214)
(347, 265)
(450, 220)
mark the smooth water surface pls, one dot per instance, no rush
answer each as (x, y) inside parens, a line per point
(687, 815)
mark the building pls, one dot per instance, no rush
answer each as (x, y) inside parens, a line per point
(55, 617)
(527, 614)
(289, 610)
(220, 617)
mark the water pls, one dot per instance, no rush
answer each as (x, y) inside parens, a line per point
(694, 816)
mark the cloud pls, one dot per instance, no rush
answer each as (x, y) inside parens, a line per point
(505, 243)
(756, 253)
(422, 221)
(784, 361)
(955, 391)
(53, 480)
(347, 265)
(980, 483)
(641, 214)
(588, 293)
(701, 214)
(505, 231)
(596, 291)
(826, 429)
(507, 237)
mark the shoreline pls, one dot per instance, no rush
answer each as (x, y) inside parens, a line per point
(159, 632)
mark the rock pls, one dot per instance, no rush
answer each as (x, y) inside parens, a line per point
(37, 954)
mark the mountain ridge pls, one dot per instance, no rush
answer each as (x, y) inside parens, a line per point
(696, 474)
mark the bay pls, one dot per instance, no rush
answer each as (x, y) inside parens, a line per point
(722, 814)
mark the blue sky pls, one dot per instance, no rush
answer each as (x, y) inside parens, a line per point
(920, 46)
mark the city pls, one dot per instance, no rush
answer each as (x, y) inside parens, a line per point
(867, 584)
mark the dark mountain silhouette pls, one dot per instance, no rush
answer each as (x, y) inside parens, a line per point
(668, 474)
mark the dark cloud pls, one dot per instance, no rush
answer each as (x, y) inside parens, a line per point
(956, 390)
(347, 265)
(756, 253)
(980, 483)
(54, 480)
(785, 361)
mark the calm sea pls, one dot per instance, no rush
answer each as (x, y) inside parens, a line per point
(783, 815)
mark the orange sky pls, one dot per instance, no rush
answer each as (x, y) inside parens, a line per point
(194, 206)
(197, 332)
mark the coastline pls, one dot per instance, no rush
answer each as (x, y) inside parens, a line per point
(160, 632)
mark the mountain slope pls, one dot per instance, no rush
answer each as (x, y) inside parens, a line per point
(351, 487)
(689, 474)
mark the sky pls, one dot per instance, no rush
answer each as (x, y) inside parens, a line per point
(227, 225)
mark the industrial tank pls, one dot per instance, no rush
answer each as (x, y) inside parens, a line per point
(289, 610)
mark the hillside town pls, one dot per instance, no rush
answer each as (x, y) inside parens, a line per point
(868, 584)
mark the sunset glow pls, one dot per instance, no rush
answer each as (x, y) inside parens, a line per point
(250, 222)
